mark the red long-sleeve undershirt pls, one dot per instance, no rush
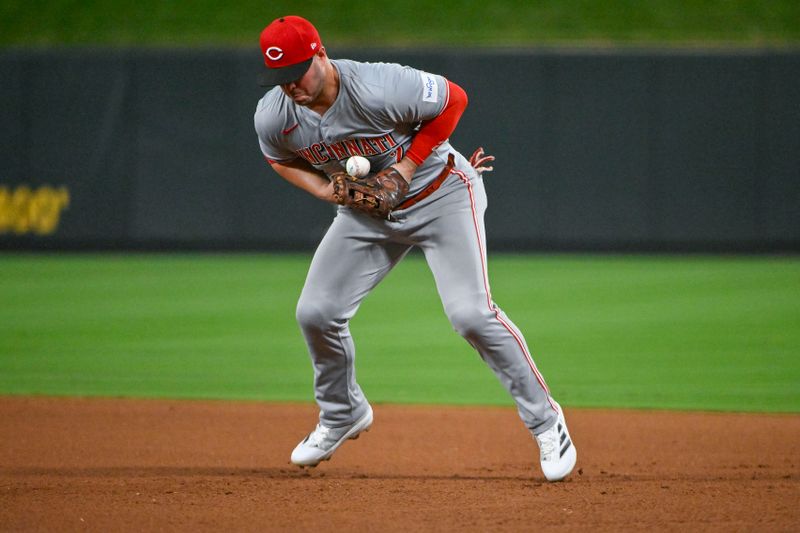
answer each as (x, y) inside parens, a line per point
(434, 132)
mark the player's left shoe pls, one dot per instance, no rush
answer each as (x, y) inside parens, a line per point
(557, 451)
(320, 444)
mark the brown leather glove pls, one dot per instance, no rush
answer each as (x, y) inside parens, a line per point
(375, 195)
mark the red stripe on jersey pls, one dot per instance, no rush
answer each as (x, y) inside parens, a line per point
(489, 303)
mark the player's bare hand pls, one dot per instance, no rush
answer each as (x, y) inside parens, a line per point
(406, 167)
(479, 160)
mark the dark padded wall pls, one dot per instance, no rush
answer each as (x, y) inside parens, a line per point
(596, 150)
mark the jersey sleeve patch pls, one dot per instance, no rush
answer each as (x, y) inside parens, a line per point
(430, 87)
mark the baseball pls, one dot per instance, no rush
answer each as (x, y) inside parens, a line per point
(357, 166)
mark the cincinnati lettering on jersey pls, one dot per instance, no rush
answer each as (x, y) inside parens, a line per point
(321, 152)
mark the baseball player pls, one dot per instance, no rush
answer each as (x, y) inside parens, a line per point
(421, 192)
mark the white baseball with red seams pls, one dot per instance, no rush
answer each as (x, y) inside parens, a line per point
(376, 113)
(357, 166)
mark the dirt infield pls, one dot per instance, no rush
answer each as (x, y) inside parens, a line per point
(124, 465)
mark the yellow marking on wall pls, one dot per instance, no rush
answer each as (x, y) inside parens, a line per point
(32, 211)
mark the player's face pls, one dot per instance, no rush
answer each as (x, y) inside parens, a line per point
(307, 89)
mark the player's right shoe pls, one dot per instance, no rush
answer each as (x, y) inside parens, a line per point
(557, 453)
(320, 444)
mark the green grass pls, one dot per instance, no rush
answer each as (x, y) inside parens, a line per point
(720, 333)
(411, 22)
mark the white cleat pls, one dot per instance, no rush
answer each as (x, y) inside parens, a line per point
(557, 451)
(320, 444)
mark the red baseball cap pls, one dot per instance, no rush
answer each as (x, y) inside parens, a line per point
(288, 45)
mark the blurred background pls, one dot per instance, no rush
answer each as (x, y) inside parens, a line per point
(619, 127)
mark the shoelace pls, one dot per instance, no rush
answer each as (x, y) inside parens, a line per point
(319, 435)
(548, 443)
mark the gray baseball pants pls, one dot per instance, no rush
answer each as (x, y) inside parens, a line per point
(356, 254)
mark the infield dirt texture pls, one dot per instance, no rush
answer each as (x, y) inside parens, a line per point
(147, 465)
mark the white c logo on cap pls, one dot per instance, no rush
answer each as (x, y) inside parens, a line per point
(278, 53)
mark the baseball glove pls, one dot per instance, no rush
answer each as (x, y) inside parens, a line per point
(374, 195)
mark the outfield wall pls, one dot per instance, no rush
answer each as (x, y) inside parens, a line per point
(596, 150)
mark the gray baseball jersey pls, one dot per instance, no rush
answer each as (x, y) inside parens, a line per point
(376, 113)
